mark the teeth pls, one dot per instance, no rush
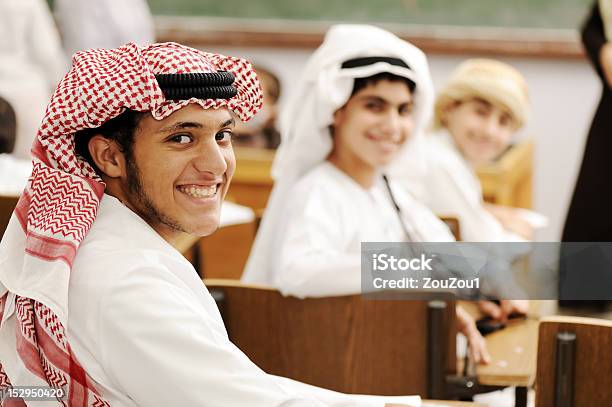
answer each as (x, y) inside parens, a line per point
(199, 192)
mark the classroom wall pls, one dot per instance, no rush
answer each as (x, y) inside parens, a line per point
(564, 95)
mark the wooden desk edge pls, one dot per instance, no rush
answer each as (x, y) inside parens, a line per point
(449, 403)
(519, 379)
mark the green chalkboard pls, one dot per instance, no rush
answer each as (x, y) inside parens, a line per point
(502, 13)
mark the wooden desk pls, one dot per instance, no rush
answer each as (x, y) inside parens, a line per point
(508, 181)
(252, 181)
(7, 205)
(441, 403)
(224, 253)
(513, 353)
(471, 307)
(513, 350)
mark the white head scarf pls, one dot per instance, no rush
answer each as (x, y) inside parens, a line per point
(325, 87)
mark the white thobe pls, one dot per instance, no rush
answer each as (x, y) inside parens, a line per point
(146, 330)
(451, 188)
(32, 63)
(328, 216)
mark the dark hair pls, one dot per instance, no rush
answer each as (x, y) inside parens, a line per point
(361, 83)
(120, 129)
(8, 127)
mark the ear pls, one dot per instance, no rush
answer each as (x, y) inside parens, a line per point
(451, 106)
(107, 156)
(338, 117)
(447, 110)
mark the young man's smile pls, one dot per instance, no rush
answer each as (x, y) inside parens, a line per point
(200, 192)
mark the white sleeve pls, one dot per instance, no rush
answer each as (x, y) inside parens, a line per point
(447, 198)
(420, 218)
(312, 259)
(161, 349)
(340, 400)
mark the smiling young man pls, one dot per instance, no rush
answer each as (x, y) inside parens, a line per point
(135, 149)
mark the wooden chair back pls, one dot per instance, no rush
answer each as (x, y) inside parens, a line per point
(574, 362)
(252, 182)
(509, 180)
(453, 224)
(349, 343)
(223, 255)
(7, 205)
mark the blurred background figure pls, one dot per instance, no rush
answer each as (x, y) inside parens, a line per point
(8, 127)
(362, 101)
(32, 62)
(588, 218)
(476, 115)
(261, 131)
(104, 23)
(14, 172)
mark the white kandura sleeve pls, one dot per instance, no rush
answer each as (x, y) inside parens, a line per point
(340, 399)
(312, 259)
(161, 348)
(476, 224)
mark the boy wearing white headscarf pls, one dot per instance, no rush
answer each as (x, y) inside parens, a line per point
(97, 308)
(476, 115)
(360, 107)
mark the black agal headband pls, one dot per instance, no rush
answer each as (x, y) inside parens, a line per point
(209, 85)
(365, 61)
(404, 69)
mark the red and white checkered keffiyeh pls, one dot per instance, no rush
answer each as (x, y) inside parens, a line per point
(59, 204)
